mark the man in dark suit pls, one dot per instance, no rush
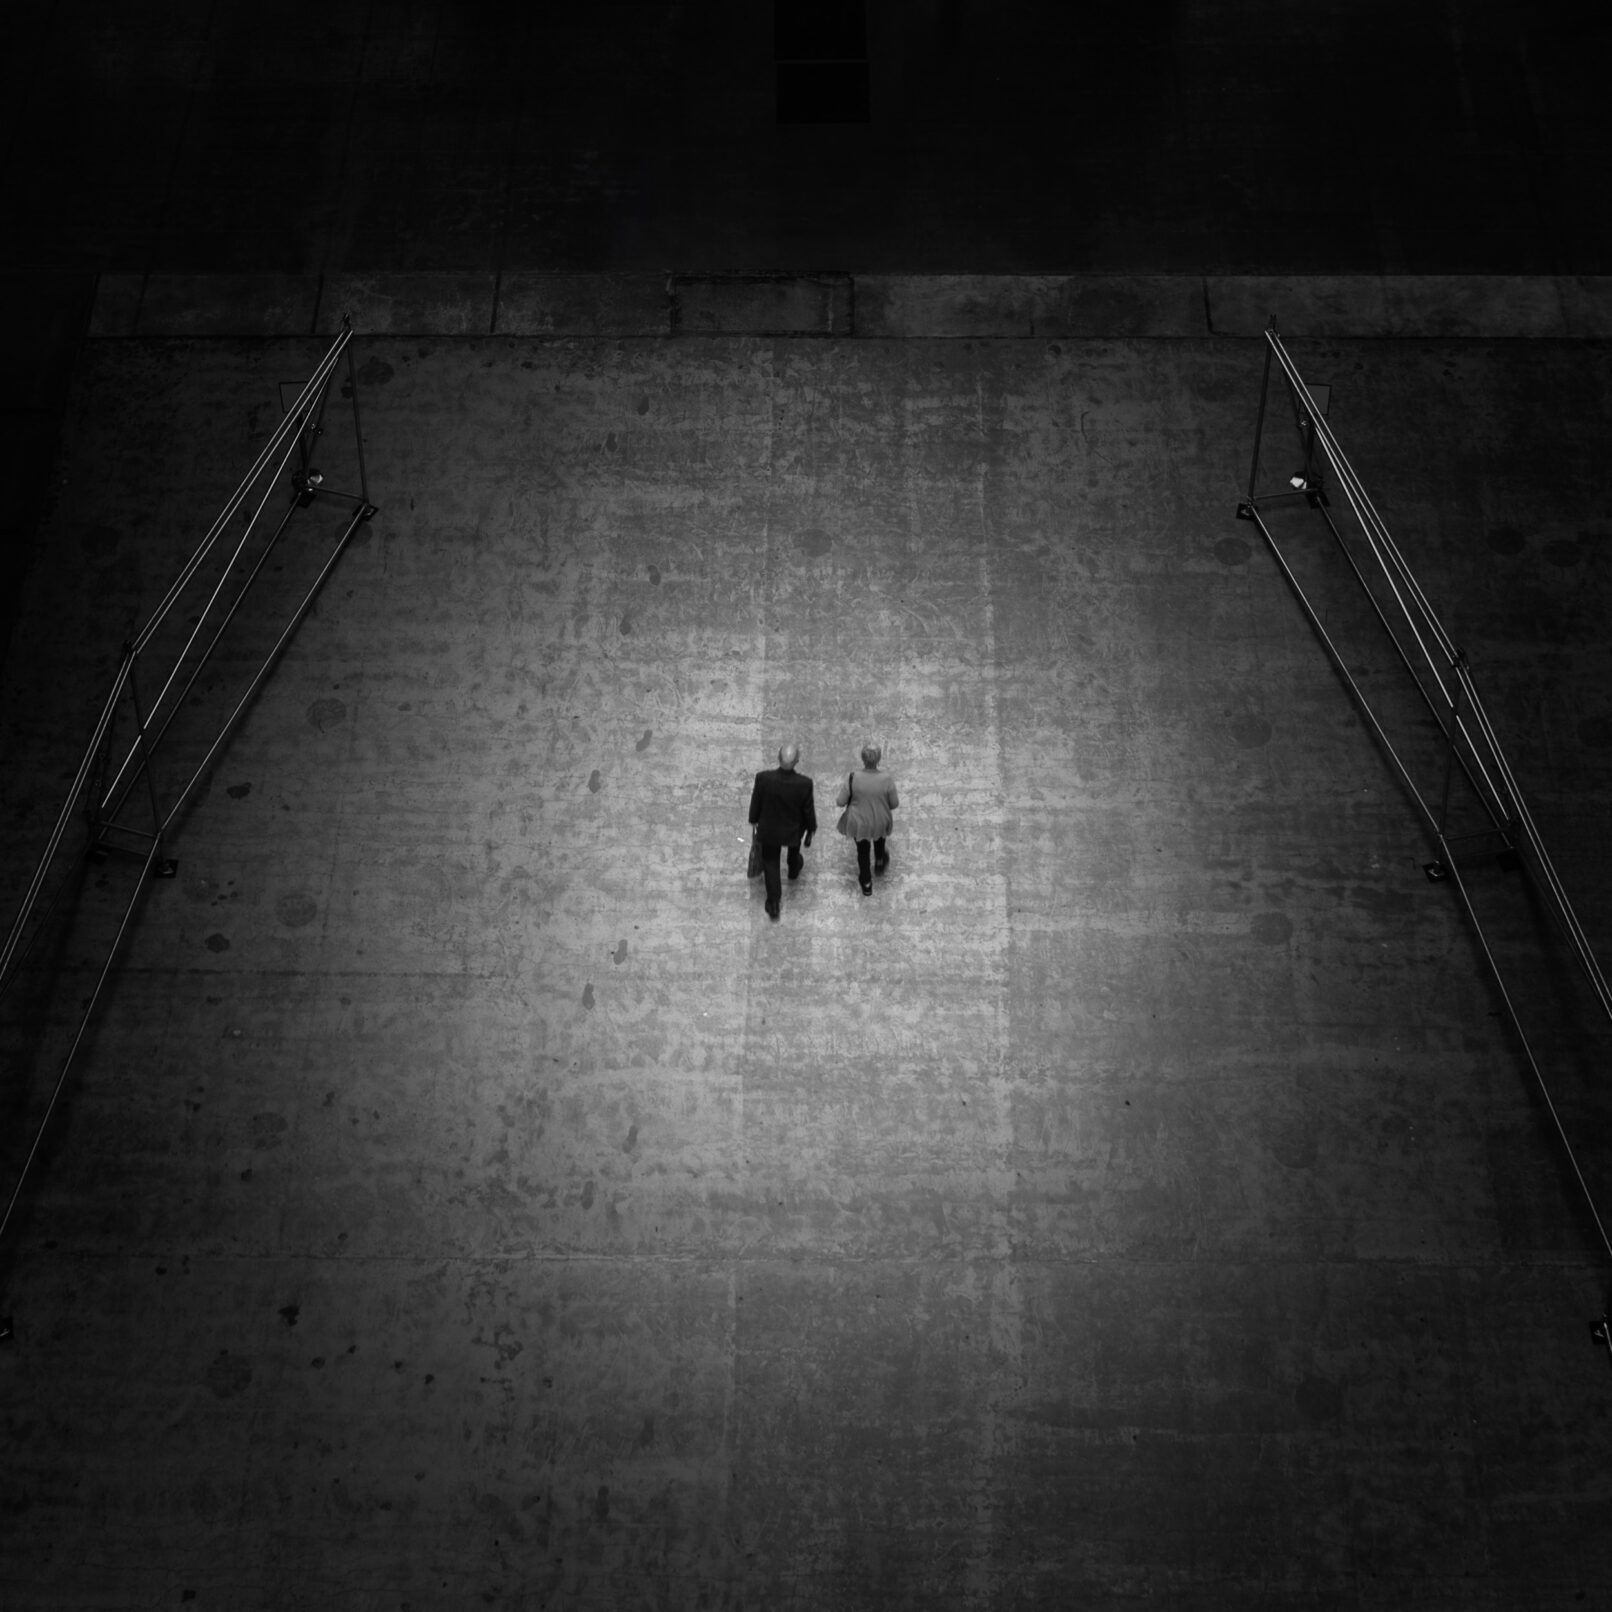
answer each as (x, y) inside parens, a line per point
(781, 806)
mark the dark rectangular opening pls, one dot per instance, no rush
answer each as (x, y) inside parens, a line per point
(819, 30)
(822, 92)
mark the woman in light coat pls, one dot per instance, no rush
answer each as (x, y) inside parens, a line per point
(868, 797)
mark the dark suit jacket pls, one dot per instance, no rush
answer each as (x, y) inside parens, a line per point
(782, 804)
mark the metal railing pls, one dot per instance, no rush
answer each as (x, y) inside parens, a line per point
(93, 821)
(1443, 679)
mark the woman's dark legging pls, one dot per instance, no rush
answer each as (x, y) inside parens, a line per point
(864, 863)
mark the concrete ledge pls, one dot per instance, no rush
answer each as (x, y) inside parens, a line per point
(251, 305)
(584, 305)
(763, 305)
(1387, 305)
(983, 305)
(204, 305)
(409, 304)
(1587, 304)
(889, 307)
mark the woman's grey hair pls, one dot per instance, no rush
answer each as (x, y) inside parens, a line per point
(870, 755)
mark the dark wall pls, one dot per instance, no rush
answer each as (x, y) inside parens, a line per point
(1001, 135)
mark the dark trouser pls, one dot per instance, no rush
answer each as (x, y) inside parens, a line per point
(769, 867)
(864, 867)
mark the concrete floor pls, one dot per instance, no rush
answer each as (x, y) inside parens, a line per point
(469, 1198)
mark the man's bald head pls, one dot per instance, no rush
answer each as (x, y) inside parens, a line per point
(788, 755)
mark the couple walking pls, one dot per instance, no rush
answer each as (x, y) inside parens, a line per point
(784, 818)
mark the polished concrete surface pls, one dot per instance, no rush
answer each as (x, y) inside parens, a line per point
(468, 1197)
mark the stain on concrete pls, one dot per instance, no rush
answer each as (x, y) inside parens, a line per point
(201, 889)
(625, 626)
(654, 576)
(587, 997)
(588, 1193)
(1250, 732)
(375, 372)
(1232, 551)
(289, 1313)
(268, 1130)
(1370, 898)
(643, 405)
(643, 743)
(620, 953)
(296, 910)
(594, 781)
(98, 541)
(1596, 732)
(327, 713)
(1271, 928)
(507, 1345)
(601, 1503)
(1564, 553)
(349, 1505)
(1505, 540)
(815, 542)
(610, 443)
(229, 1374)
(238, 791)
(1295, 1145)
(632, 1139)
(217, 943)
(1319, 1401)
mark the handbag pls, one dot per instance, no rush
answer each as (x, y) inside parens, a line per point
(849, 797)
(753, 871)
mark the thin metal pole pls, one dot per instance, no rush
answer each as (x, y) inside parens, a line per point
(145, 759)
(85, 767)
(1345, 477)
(1506, 795)
(1528, 1052)
(195, 631)
(314, 426)
(1449, 760)
(1259, 424)
(358, 427)
(83, 1025)
(289, 423)
(108, 805)
(8, 981)
(1408, 663)
(1365, 510)
(264, 670)
(1564, 906)
(1391, 562)
(1343, 670)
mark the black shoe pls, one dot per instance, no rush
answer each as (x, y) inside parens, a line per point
(881, 864)
(867, 888)
(772, 911)
(795, 873)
